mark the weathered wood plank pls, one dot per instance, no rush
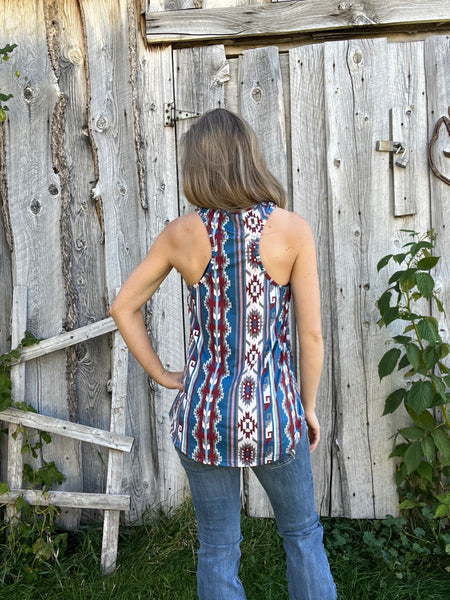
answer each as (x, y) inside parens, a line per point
(35, 216)
(359, 196)
(67, 339)
(437, 57)
(68, 499)
(15, 436)
(261, 103)
(115, 459)
(208, 67)
(82, 235)
(112, 127)
(310, 191)
(404, 125)
(164, 314)
(288, 18)
(76, 431)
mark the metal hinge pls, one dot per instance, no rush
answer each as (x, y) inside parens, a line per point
(171, 114)
(397, 148)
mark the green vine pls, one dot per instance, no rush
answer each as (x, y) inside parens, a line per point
(423, 449)
(30, 540)
(4, 57)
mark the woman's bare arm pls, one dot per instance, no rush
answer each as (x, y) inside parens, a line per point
(306, 298)
(126, 310)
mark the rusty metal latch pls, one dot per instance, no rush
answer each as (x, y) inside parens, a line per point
(171, 114)
(398, 148)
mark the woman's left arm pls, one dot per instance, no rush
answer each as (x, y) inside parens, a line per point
(126, 310)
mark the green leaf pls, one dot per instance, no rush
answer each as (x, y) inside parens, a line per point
(439, 304)
(424, 420)
(408, 504)
(425, 470)
(384, 302)
(425, 284)
(442, 441)
(3, 487)
(427, 263)
(404, 362)
(399, 258)
(413, 457)
(440, 387)
(420, 396)
(395, 276)
(388, 362)
(432, 355)
(442, 510)
(408, 279)
(399, 450)
(402, 339)
(419, 246)
(428, 329)
(390, 314)
(394, 400)
(411, 433)
(383, 262)
(414, 355)
(429, 448)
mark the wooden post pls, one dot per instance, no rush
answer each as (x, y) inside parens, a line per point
(115, 458)
(15, 437)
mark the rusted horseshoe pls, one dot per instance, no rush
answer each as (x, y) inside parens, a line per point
(433, 140)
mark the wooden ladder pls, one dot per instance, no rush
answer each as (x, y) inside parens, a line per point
(112, 501)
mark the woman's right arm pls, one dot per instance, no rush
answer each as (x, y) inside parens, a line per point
(306, 299)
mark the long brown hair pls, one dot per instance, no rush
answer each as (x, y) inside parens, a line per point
(223, 167)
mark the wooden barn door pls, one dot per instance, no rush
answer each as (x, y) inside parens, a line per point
(319, 111)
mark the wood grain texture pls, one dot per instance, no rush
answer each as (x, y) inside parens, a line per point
(69, 499)
(111, 124)
(437, 55)
(83, 433)
(261, 103)
(35, 215)
(164, 313)
(83, 249)
(310, 200)
(115, 457)
(14, 458)
(287, 18)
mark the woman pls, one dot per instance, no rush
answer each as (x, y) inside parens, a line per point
(238, 404)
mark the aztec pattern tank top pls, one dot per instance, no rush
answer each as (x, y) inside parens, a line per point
(241, 403)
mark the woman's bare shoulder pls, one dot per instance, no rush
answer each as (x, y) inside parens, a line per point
(292, 223)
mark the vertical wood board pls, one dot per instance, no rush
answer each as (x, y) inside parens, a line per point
(437, 57)
(165, 310)
(35, 213)
(112, 129)
(310, 200)
(85, 232)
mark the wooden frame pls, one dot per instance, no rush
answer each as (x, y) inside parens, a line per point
(112, 501)
(290, 18)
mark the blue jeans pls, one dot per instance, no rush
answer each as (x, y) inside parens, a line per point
(289, 485)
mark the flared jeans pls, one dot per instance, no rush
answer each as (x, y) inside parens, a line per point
(289, 485)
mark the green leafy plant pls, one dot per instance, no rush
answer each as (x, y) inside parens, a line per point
(31, 540)
(423, 449)
(4, 56)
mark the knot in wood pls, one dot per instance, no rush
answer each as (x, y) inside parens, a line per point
(257, 94)
(357, 57)
(53, 189)
(122, 188)
(343, 6)
(35, 206)
(28, 93)
(101, 123)
(75, 55)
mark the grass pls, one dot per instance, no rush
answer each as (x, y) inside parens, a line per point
(156, 561)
